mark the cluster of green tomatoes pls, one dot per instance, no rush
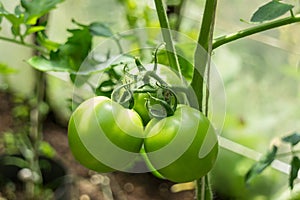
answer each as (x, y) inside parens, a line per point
(145, 122)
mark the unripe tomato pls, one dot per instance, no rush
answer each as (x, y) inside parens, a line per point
(140, 106)
(182, 147)
(104, 136)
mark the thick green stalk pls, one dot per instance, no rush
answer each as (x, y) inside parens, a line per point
(203, 50)
(167, 36)
(36, 134)
(201, 64)
(256, 29)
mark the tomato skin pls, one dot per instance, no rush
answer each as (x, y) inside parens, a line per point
(104, 136)
(173, 145)
(140, 106)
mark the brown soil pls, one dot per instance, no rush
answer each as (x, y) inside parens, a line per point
(88, 185)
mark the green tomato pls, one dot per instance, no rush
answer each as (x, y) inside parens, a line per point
(140, 106)
(182, 147)
(168, 76)
(104, 136)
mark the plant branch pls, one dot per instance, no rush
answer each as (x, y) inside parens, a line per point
(32, 46)
(253, 30)
(201, 61)
(36, 120)
(167, 36)
(203, 50)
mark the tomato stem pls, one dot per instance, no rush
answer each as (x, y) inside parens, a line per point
(144, 91)
(155, 57)
(256, 29)
(201, 65)
(139, 64)
(149, 164)
(23, 43)
(167, 36)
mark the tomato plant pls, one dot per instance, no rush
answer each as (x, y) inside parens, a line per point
(100, 123)
(173, 145)
(101, 131)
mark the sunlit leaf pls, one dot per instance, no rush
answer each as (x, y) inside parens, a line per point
(262, 164)
(295, 166)
(293, 139)
(270, 11)
(34, 29)
(37, 8)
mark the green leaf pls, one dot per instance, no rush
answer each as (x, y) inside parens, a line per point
(4, 69)
(293, 139)
(43, 64)
(270, 11)
(14, 19)
(295, 166)
(69, 56)
(76, 49)
(261, 165)
(100, 29)
(37, 8)
(45, 42)
(34, 29)
(15, 161)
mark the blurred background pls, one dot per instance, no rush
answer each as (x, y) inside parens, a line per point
(261, 76)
